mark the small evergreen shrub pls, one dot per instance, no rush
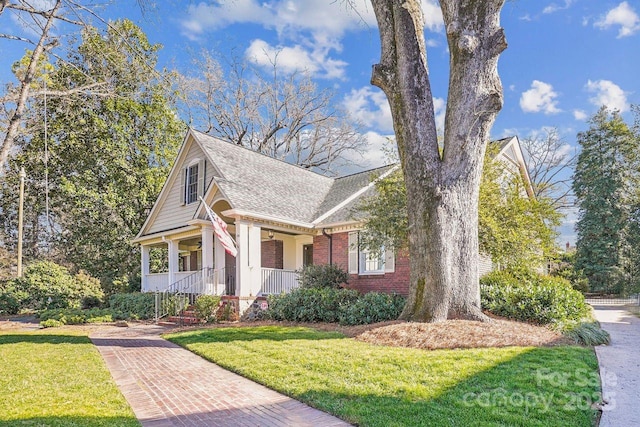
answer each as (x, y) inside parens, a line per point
(588, 333)
(51, 323)
(322, 276)
(372, 307)
(135, 305)
(206, 307)
(11, 299)
(532, 298)
(346, 306)
(76, 316)
(311, 304)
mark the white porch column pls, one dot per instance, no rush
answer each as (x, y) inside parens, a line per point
(207, 246)
(249, 259)
(144, 253)
(173, 260)
(218, 253)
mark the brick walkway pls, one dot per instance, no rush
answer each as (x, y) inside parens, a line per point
(168, 386)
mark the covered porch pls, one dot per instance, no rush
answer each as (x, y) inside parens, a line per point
(193, 260)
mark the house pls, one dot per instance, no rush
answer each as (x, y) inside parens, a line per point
(283, 218)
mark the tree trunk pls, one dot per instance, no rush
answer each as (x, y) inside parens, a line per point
(442, 190)
(21, 104)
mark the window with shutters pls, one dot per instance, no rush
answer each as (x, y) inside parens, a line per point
(191, 187)
(192, 181)
(363, 261)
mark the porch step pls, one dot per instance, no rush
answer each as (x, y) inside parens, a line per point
(185, 320)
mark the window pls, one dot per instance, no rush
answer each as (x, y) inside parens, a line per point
(191, 180)
(362, 261)
(371, 262)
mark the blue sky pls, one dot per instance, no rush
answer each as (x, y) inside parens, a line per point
(565, 58)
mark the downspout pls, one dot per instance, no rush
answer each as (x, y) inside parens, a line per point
(330, 237)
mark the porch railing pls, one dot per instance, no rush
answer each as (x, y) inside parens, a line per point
(275, 281)
(179, 295)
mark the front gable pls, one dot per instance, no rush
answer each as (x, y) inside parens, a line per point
(176, 205)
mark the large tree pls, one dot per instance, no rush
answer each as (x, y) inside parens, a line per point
(605, 184)
(107, 156)
(283, 115)
(515, 230)
(442, 188)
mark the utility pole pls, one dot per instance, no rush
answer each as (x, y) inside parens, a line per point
(20, 220)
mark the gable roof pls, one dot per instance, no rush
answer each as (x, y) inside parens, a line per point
(262, 186)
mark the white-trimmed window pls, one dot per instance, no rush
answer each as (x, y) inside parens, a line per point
(364, 262)
(192, 182)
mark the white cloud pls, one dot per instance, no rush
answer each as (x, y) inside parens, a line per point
(440, 109)
(579, 115)
(525, 17)
(289, 17)
(370, 106)
(296, 58)
(622, 15)
(540, 98)
(377, 148)
(609, 94)
(554, 7)
(433, 20)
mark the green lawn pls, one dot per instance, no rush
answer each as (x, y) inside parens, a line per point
(53, 378)
(384, 386)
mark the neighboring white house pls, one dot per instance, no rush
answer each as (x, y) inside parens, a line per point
(282, 216)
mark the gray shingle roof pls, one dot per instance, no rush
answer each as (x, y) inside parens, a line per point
(263, 185)
(260, 184)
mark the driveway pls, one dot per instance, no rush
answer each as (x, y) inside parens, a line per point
(619, 367)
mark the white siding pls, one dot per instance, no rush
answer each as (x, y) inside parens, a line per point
(173, 214)
(485, 265)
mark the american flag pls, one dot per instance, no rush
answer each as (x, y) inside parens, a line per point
(220, 228)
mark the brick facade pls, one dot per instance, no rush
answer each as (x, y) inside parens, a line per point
(396, 282)
(272, 254)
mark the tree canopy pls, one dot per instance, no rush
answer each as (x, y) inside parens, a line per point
(515, 230)
(107, 156)
(606, 182)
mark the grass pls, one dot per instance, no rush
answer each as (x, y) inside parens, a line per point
(52, 378)
(388, 386)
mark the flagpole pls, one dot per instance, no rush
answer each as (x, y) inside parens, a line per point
(22, 176)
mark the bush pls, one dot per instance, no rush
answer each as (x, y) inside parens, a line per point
(206, 307)
(588, 333)
(345, 306)
(76, 316)
(49, 285)
(311, 304)
(322, 276)
(11, 299)
(532, 298)
(51, 323)
(372, 308)
(135, 305)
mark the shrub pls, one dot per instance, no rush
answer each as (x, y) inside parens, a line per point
(533, 298)
(322, 276)
(135, 305)
(76, 316)
(51, 323)
(588, 333)
(11, 299)
(372, 307)
(311, 304)
(206, 307)
(49, 285)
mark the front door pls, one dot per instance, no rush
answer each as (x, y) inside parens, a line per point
(307, 255)
(230, 274)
